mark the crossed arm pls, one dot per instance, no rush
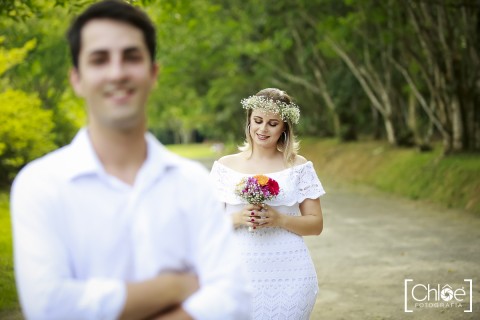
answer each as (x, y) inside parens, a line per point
(143, 300)
(86, 274)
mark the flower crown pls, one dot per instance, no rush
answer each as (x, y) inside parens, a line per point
(287, 111)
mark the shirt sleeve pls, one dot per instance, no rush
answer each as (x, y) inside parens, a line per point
(46, 284)
(309, 186)
(224, 289)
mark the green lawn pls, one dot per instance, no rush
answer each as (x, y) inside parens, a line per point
(8, 292)
(451, 181)
(196, 150)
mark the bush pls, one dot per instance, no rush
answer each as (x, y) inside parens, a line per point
(25, 131)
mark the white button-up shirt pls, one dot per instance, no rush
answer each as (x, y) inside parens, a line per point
(81, 234)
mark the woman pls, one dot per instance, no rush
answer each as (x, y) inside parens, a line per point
(270, 234)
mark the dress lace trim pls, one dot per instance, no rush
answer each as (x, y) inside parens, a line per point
(296, 184)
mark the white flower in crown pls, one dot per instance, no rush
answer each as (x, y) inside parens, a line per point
(287, 111)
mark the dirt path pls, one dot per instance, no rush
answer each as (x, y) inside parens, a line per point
(372, 242)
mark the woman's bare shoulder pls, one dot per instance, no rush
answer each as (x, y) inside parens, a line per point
(231, 160)
(299, 160)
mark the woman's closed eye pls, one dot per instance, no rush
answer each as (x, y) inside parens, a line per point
(271, 123)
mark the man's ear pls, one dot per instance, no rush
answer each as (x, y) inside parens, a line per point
(76, 82)
(156, 69)
(155, 73)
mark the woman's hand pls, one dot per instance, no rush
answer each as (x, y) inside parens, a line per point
(269, 217)
(248, 217)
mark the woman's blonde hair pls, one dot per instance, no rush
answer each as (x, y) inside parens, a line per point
(287, 142)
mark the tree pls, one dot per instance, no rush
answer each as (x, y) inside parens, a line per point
(448, 66)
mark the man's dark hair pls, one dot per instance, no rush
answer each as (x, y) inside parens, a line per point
(116, 10)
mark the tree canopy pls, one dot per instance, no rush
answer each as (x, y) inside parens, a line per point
(404, 71)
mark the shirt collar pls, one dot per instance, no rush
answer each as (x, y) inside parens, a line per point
(159, 159)
(84, 160)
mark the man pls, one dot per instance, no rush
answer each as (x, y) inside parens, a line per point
(113, 225)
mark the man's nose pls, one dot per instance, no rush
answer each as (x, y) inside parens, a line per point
(116, 70)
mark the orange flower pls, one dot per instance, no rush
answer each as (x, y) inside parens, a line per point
(262, 180)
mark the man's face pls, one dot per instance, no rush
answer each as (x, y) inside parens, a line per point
(115, 74)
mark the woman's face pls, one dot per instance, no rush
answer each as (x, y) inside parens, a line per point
(265, 128)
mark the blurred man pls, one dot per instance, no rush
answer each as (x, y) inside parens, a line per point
(113, 225)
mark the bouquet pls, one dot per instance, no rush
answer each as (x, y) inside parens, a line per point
(257, 189)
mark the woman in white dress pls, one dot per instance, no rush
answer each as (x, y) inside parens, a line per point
(270, 235)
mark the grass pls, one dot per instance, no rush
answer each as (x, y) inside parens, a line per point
(197, 151)
(452, 181)
(8, 292)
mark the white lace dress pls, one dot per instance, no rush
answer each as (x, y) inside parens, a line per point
(281, 270)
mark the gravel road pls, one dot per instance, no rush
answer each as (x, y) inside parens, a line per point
(372, 242)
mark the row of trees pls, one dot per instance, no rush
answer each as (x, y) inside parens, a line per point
(406, 71)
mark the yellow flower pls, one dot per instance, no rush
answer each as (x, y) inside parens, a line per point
(262, 180)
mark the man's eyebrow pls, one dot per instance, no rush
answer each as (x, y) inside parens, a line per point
(131, 50)
(97, 52)
(105, 51)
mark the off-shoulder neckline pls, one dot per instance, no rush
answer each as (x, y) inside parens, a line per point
(267, 173)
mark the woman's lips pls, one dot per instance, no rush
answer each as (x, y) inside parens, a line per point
(262, 137)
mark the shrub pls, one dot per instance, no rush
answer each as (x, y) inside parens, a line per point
(25, 131)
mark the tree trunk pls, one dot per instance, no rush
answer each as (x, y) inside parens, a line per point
(457, 126)
(372, 87)
(412, 119)
(329, 102)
